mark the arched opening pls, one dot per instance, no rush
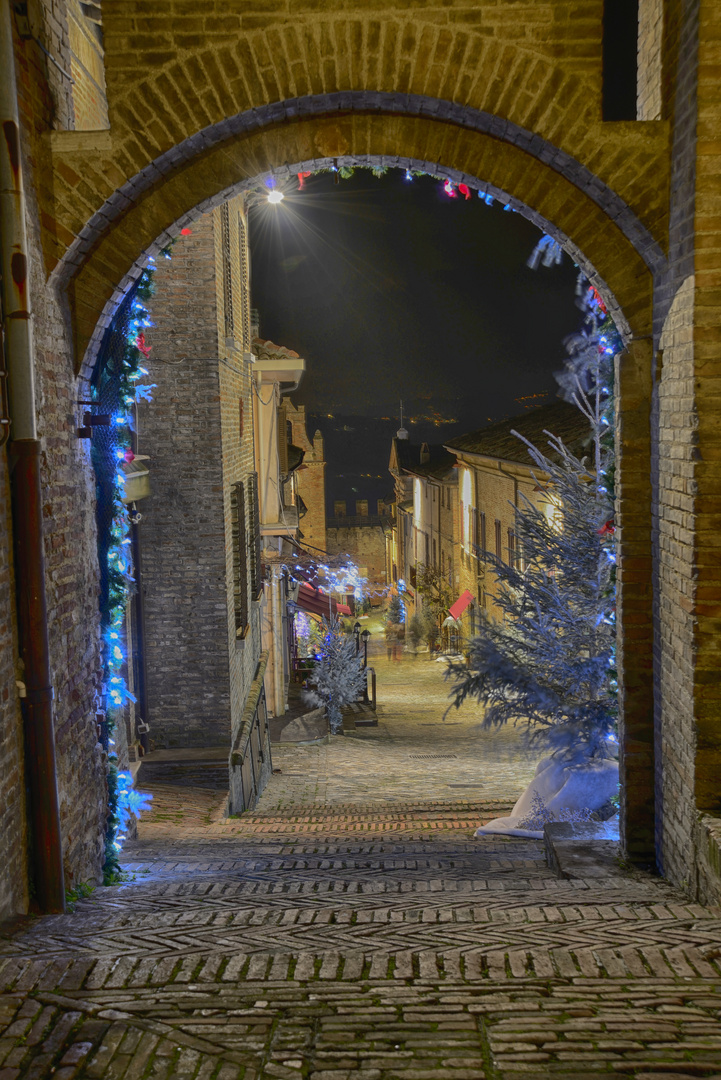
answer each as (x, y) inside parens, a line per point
(620, 273)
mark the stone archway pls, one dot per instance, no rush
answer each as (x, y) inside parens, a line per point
(592, 222)
(563, 197)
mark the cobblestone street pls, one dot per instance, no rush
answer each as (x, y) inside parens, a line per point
(413, 754)
(350, 928)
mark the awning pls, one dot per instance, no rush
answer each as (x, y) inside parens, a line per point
(319, 603)
(457, 609)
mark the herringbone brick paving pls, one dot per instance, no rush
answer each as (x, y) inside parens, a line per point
(375, 958)
(359, 941)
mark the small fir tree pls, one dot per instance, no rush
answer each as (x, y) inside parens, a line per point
(437, 596)
(338, 675)
(551, 660)
(396, 612)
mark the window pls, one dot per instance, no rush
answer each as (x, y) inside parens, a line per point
(511, 548)
(482, 525)
(499, 545)
(240, 557)
(435, 556)
(241, 419)
(426, 549)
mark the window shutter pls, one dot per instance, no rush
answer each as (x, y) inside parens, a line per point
(254, 543)
(227, 271)
(282, 441)
(240, 556)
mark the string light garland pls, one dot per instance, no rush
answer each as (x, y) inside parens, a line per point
(123, 799)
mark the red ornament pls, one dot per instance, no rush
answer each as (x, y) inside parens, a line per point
(463, 188)
(599, 301)
(141, 346)
(302, 177)
(185, 232)
(607, 530)
(449, 189)
(129, 455)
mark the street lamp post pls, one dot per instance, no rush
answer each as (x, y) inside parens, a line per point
(365, 636)
(356, 631)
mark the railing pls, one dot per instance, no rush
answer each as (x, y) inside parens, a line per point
(250, 763)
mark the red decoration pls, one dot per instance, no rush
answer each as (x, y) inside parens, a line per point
(599, 301)
(449, 189)
(185, 232)
(463, 188)
(302, 176)
(141, 346)
(129, 456)
(607, 530)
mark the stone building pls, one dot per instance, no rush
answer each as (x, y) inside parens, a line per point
(424, 528)
(204, 597)
(510, 98)
(309, 478)
(495, 474)
(276, 371)
(362, 537)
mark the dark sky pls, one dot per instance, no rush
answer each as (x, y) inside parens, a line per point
(390, 289)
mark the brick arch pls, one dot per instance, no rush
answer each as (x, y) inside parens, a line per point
(591, 221)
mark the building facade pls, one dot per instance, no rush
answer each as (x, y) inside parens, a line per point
(495, 475)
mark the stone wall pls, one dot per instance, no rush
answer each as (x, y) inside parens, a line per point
(365, 544)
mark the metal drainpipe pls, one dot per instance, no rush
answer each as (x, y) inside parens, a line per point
(27, 500)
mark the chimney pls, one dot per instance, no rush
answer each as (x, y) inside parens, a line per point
(425, 454)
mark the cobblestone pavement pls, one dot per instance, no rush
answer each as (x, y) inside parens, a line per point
(413, 753)
(363, 940)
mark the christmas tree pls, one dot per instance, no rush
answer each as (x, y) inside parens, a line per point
(396, 612)
(338, 675)
(550, 661)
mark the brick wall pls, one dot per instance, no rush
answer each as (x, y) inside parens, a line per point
(198, 432)
(707, 372)
(674, 453)
(70, 552)
(87, 65)
(13, 829)
(650, 51)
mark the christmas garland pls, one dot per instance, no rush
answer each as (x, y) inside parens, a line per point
(123, 800)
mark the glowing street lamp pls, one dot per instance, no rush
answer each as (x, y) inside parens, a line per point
(275, 197)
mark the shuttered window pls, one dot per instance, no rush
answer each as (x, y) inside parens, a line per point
(240, 556)
(254, 541)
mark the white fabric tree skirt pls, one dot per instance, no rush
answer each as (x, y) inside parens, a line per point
(562, 787)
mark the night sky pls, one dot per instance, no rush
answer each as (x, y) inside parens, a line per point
(390, 289)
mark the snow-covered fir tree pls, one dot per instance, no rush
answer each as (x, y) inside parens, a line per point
(550, 661)
(395, 613)
(338, 676)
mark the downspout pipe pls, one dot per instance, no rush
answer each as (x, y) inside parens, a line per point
(26, 488)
